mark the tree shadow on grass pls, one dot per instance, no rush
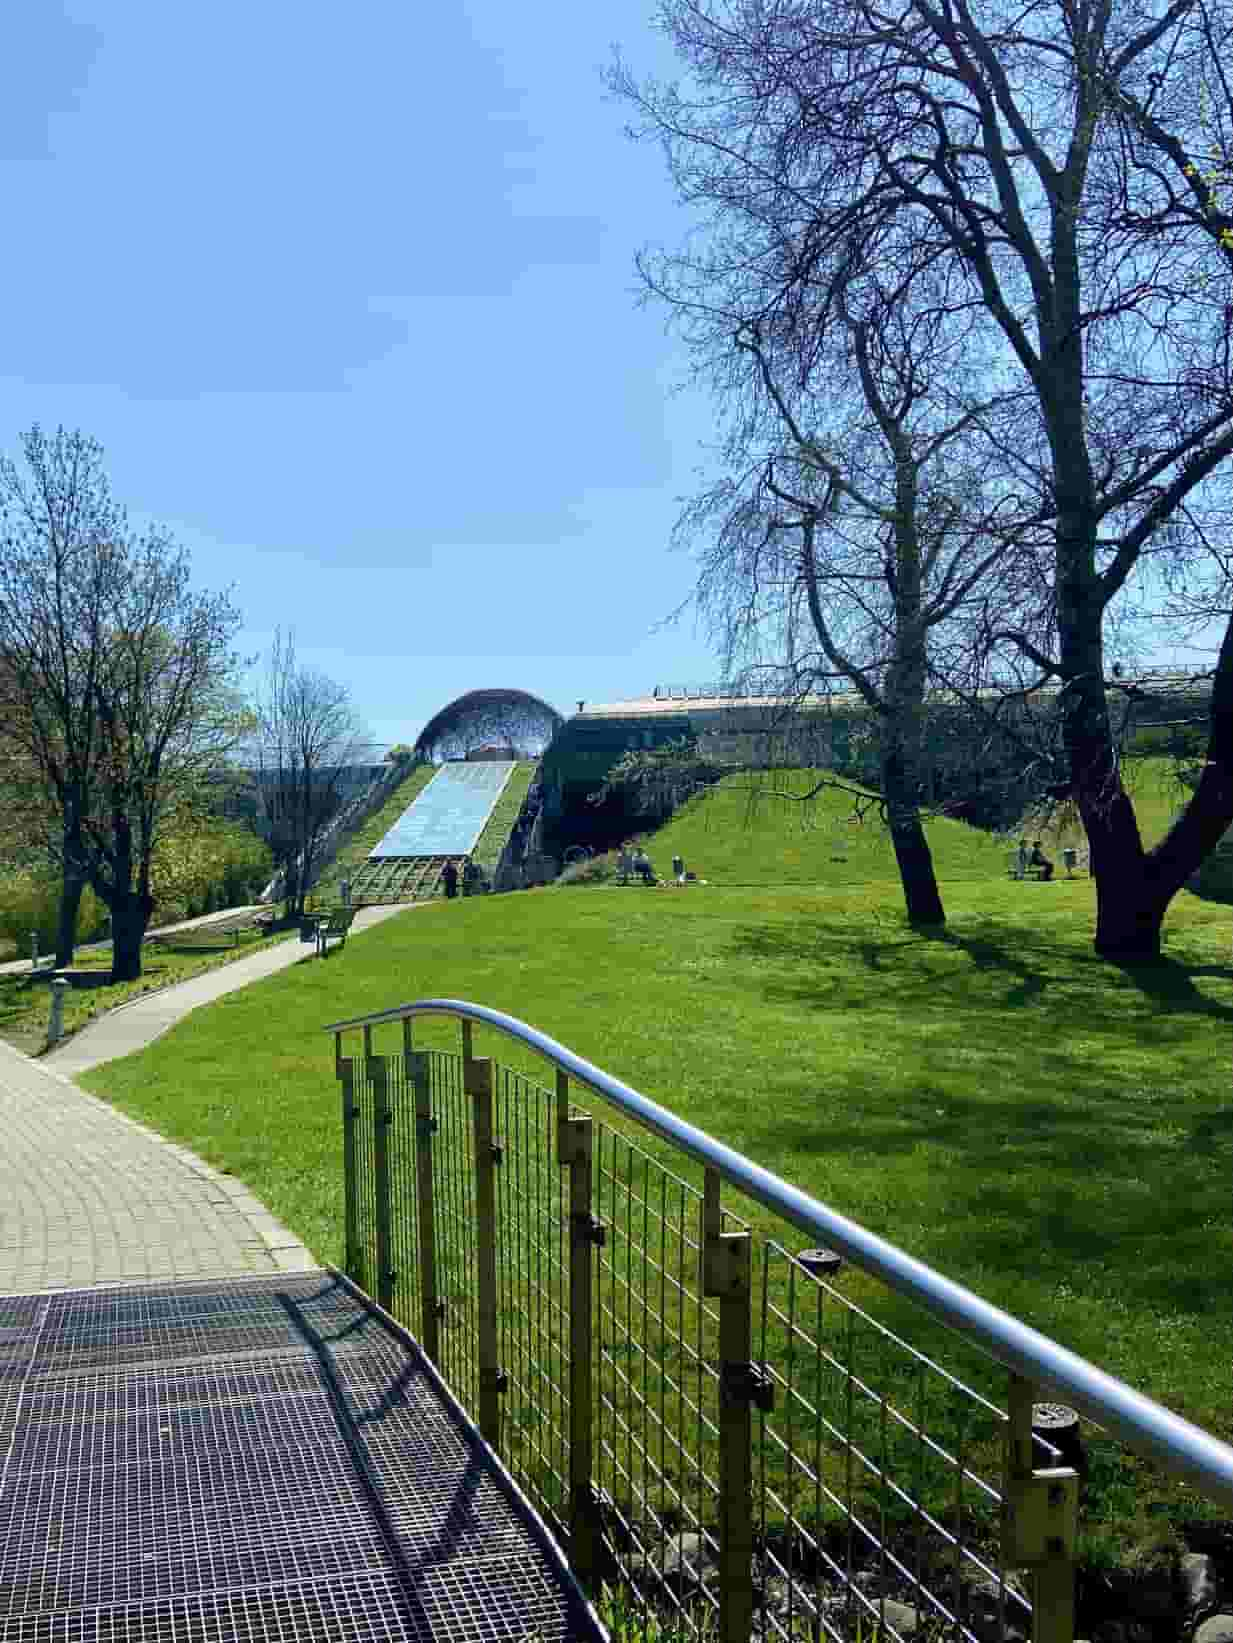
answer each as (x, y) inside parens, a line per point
(1033, 966)
(1085, 1190)
(978, 1110)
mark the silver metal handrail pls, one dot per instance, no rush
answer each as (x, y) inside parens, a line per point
(1145, 1425)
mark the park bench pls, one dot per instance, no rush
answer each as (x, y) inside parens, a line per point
(1012, 867)
(1071, 858)
(333, 927)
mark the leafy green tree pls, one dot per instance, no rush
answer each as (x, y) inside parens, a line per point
(120, 673)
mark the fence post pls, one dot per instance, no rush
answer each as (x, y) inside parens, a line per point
(575, 1138)
(344, 1070)
(425, 1217)
(378, 1072)
(725, 1259)
(477, 1081)
(1040, 1520)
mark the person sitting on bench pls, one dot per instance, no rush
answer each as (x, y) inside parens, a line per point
(1039, 860)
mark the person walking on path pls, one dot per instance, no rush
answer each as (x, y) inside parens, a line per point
(449, 878)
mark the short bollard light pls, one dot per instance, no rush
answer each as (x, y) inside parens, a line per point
(55, 1023)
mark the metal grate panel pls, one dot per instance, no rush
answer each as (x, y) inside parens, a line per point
(500, 1601)
(253, 1459)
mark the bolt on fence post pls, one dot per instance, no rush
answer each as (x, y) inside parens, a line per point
(477, 1081)
(575, 1138)
(1040, 1521)
(344, 1070)
(425, 1205)
(378, 1073)
(725, 1258)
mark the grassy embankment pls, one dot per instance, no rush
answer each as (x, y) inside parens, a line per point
(492, 840)
(1052, 1131)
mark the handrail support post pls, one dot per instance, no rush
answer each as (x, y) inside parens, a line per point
(1040, 1522)
(575, 1143)
(725, 1261)
(378, 1073)
(478, 1082)
(344, 1067)
(417, 1075)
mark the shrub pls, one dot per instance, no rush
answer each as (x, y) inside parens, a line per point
(199, 868)
(30, 900)
(598, 870)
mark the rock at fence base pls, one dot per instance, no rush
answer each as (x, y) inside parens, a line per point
(776, 1600)
(985, 1613)
(902, 1616)
(687, 1561)
(1219, 1629)
(1198, 1580)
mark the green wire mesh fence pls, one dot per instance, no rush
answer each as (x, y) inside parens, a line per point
(740, 1435)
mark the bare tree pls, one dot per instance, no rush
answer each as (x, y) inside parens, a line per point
(865, 526)
(117, 669)
(1046, 168)
(306, 736)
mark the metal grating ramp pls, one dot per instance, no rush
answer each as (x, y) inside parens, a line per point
(252, 1459)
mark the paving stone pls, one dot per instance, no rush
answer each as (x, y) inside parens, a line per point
(88, 1196)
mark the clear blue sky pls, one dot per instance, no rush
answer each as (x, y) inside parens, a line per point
(347, 296)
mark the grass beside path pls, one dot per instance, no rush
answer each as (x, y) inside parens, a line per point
(25, 999)
(1052, 1131)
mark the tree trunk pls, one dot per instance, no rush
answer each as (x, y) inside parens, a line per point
(72, 884)
(130, 908)
(293, 888)
(71, 889)
(912, 853)
(1129, 921)
(128, 928)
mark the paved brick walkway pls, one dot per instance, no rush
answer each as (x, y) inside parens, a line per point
(87, 1196)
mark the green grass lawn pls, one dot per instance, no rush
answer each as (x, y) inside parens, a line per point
(1053, 1132)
